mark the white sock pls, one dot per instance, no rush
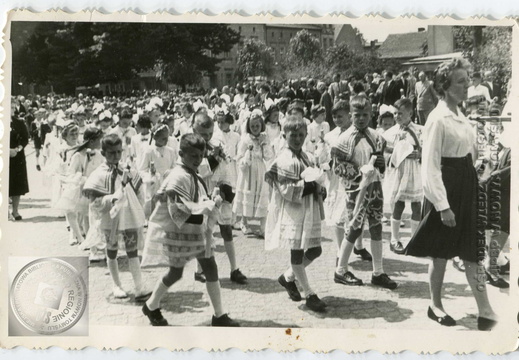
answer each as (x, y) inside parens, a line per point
(213, 289)
(395, 231)
(344, 258)
(113, 266)
(358, 243)
(231, 254)
(289, 275)
(376, 250)
(300, 272)
(135, 270)
(414, 226)
(153, 302)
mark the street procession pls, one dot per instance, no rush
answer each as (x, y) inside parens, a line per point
(357, 186)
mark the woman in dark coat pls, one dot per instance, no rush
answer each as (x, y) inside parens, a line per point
(18, 182)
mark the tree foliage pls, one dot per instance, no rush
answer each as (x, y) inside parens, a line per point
(487, 48)
(255, 58)
(304, 49)
(70, 54)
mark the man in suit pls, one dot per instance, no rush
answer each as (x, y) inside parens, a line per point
(494, 89)
(391, 90)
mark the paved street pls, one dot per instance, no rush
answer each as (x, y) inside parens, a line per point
(263, 302)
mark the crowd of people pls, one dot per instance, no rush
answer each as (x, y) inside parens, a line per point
(159, 172)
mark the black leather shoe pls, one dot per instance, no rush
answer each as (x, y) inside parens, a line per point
(347, 279)
(238, 277)
(290, 287)
(444, 320)
(504, 269)
(155, 316)
(485, 324)
(397, 248)
(363, 253)
(199, 276)
(384, 281)
(224, 320)
(314, 303)
(497, 281)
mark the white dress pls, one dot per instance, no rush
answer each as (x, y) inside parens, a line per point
(335, 202)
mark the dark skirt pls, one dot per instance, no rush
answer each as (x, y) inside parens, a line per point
(18, 182)
(432, 238)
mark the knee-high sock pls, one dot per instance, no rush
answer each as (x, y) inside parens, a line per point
(414, 226)
(376, 250)
(395, 230)
(289, 274)
(344, 257)
(135, 270)
(358, 243)
(300, 272)
(231, 254)
(160, 289)
(213, 289)
(113, 266)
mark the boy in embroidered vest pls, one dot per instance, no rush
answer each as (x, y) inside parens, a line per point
(354, 149)
(405, 182)
(294, 216)
(213, 171)
(104, 187)
(180, 229)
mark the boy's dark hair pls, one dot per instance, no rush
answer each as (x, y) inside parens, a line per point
(144, 121)
(360, 102)
(188, 107)
(317, 110)
(191, 141)
(126, 113)
(229, 119)
(404, 103)
(385, 115)
(203, 120)
(265, 87)
(110, 140)
(341, 105)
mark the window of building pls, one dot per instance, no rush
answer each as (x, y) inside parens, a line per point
(281, 34)
(273, 34)
(239, 28)
(253, 29)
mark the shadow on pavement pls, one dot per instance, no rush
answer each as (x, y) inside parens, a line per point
(263, 323)
(179, 302)
(420, 290)
(392, 266)
(343, 308)
(257, 285)
(42, 219)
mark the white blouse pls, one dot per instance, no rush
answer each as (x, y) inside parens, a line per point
(445, 135)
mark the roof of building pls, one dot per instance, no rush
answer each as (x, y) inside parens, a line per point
(409, 45)
(295, 26)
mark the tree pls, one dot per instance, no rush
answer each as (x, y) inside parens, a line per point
(487, 48)
(255, 58)
(70, 54)
(341, 59)
(304, 49)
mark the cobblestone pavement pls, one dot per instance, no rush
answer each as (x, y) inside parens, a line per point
(263, 302)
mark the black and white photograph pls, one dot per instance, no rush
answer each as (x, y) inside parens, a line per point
(336, 175)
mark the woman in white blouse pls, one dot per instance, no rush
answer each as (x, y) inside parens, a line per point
(449, 226)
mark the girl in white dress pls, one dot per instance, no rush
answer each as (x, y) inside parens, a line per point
(252, 192)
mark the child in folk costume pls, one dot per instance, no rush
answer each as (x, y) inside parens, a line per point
(125, 132)
(154, 164)
(295, 213)
(83, 161)
(183, 123)
(354, 149)
(180, 229)
(230, 140)
(405, 182)
(252, 192)
(140, 142)
(272, 127)
(213, 170)
(117, 213)
(335, 203)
